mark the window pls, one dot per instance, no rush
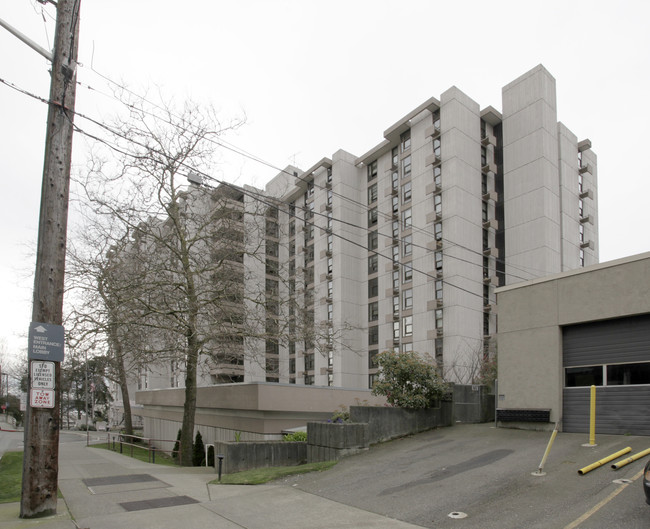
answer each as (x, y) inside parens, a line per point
(309, 362)
(372, 170)
(407, 297)
(372, 217)
(330, 265)
(436, 120)
(408, 326)
(405, 140)
(582, 257)
(372, 359)
(395, 201)
(292, 366)
(581, 207)
(330, 312)
(330, 242)
(373, 287)
(373, 311)
(438, 318)
(373, 335)
(628, 374)
(329, 220)
(438, 257)
(437, 176)
(438, 231)
(329, 175)
(438, 289)
(406, 219)
(407, 347)
(373, 264)
(329, 197)
(407, 273)
(372, 379)
(309, 254)
(583, 376)
(373, 240)
(438, 350)
(436, 147)
(395, 279)
(395, 180)
(406, 167)
(395, 229)
(582, 233)
(437, 205)
(272, 248)
(395, 305)
(395, 156)
(407, 243)
(330, 288)
(372, 194)
(310, 189)
(483, 156)
(406, 192)
(309, 380)
(396, 330)
(292, 229)
(395, 254)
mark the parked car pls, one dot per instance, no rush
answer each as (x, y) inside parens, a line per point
(646, 482)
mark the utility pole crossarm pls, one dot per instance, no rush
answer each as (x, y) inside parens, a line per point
(39, 49)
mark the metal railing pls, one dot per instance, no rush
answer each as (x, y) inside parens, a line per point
(119, 442)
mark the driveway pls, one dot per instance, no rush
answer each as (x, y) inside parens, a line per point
(483, 475)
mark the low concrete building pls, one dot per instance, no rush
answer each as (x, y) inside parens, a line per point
(256, 411)
(560, 334)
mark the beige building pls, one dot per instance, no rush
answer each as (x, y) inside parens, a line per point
(403, 247)
(560, 334)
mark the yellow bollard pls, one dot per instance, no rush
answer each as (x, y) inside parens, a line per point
(607, 459)
(540, 469)
(630, 459)
(592, 418)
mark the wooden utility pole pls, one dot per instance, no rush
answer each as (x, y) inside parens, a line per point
(41, 455)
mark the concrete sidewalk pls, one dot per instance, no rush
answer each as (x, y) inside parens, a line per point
(103, 490)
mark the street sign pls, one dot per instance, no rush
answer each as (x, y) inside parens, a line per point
(42, 375)
(45, 342)
(41, 398)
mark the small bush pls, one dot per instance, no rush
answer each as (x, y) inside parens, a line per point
(211, 455)
(408, 380)
(198, 450)
(295, 436)
(91, 428)
(177, 445)
(341, 415)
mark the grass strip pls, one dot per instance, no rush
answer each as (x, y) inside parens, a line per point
(139, 453)
(11, 476)
(258, 476)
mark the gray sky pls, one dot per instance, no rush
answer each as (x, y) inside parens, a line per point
(314, 77)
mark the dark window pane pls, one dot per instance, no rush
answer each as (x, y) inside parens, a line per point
(626, 374)
(584, 376)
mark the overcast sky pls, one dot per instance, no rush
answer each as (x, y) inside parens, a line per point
(313, 77)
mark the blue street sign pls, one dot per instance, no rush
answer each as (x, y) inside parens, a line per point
(45, 342)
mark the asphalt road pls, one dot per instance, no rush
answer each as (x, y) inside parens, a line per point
(483, 475)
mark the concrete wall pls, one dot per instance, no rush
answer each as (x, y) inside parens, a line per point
(531, 316)
(239, 456)
(390, 423)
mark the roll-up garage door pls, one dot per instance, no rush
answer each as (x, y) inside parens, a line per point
(614, 355)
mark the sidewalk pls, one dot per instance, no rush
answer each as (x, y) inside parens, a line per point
(105, 490)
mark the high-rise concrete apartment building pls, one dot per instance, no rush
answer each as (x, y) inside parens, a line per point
(402, 247)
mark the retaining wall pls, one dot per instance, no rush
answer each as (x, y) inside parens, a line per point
(240, 456)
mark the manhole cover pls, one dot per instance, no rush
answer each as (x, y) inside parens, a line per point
(457, 515)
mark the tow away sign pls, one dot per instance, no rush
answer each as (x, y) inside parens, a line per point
(41, 398)
(45, 342)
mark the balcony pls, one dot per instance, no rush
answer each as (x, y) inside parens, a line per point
(489, 139)
(586, 169)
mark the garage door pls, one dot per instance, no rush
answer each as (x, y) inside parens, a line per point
(613, 355)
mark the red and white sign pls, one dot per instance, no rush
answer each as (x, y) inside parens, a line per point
(41, 398)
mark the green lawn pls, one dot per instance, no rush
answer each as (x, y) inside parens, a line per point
(263, 475)
(11, 476)
(139, 453)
